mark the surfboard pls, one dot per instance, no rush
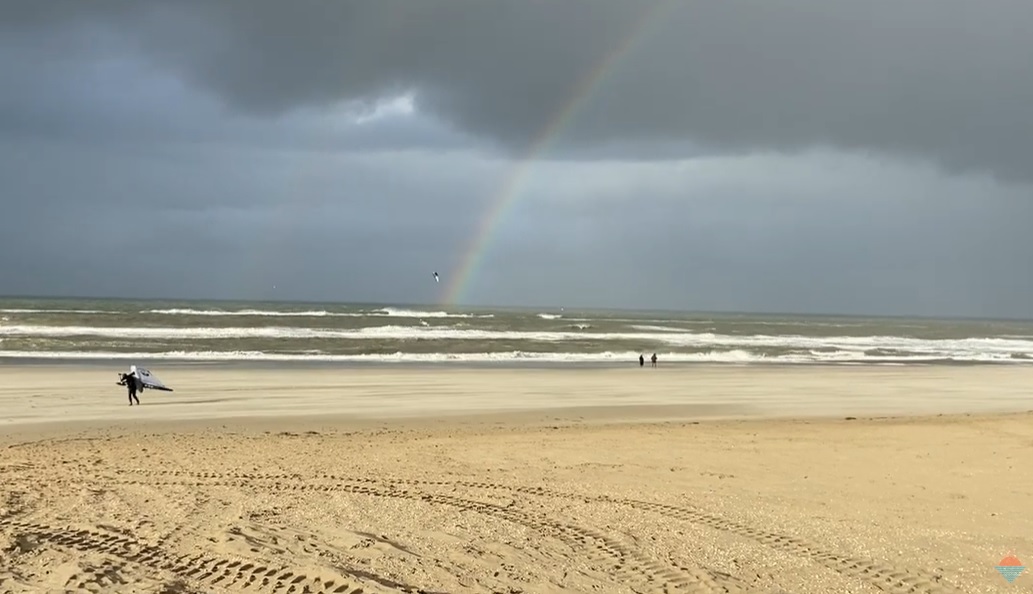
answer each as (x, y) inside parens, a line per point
(146, 379)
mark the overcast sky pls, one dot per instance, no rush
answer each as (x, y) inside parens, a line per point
(785, 155)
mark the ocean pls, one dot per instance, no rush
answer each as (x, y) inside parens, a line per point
(143, 331)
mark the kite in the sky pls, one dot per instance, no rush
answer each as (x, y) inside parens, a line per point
(436, 279)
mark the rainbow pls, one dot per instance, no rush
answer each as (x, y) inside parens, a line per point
(510, 189)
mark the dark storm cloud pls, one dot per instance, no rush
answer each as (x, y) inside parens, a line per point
(947, 80)
(90, 99)
(214, 222)
(79, 81)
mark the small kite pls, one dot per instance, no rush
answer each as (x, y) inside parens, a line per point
(436, 279)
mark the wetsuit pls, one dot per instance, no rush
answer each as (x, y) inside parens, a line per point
(131, 384)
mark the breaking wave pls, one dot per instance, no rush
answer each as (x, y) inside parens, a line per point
(453, 333)
(658, 328)
(811, 348)
(383, 311)
(243, 312)
(53, 311)
(415, 313)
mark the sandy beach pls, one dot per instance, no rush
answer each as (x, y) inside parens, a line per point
(693, 479)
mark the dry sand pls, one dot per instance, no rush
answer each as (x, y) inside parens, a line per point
(669, 480)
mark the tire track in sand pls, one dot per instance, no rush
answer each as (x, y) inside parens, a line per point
(208, 571)
(620, 562)
(886, 577)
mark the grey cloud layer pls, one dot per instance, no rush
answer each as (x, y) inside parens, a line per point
(766, 233)
(197, 222)
(947, 80)
(763, 233)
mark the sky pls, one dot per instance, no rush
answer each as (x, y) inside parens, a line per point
(801, 156)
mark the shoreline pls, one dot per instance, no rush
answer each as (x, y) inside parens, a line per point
(446, 365)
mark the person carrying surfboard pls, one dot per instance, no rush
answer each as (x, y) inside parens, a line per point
(129, 380)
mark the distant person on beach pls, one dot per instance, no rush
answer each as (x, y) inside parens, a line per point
(641, 361)
(653, 359)
(129, 381)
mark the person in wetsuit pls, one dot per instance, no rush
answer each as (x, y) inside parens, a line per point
(130, 382)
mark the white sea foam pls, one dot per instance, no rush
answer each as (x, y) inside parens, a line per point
(415, 313)
(549, 316)
(965, 348)
(649, 328)
(50, 311)
(243, 312)
(384, 311)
